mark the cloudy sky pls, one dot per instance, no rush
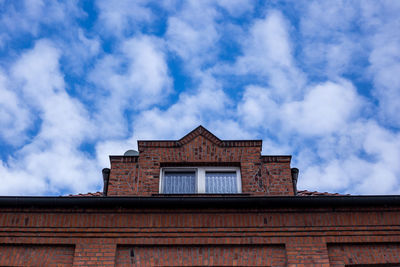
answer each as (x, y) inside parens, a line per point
(80, 80)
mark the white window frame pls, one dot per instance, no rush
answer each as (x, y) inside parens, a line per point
(200, 176)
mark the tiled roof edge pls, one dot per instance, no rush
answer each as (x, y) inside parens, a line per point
(315, 193)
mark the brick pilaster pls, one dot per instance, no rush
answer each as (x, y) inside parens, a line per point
(95, 254)
(309, 251)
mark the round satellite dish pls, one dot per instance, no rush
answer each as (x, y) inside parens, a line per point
(131, 152)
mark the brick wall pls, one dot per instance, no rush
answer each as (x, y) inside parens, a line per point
(36, 255)
(307, 251)
(140, 175)
(341, 255)
(124, 176)
(274, 236)
(223, 255)
(94, 254)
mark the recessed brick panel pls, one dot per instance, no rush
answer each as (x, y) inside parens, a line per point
(225, 255)
(357, 254)
(36, 255)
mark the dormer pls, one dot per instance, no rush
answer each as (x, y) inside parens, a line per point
(199, 164)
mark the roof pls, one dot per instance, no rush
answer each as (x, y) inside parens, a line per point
(218, 202)
(299, 193)
(95, 194)
(315, 193)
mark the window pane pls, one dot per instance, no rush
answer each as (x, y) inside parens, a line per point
(179, 183)
(221, 182)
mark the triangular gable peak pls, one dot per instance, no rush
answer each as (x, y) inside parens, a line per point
(202, 132)
(199, 131)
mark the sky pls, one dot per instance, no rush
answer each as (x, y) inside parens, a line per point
(82, 80)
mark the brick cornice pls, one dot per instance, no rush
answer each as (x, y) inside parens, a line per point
(280, 158)
(199, 131)
(123, 159)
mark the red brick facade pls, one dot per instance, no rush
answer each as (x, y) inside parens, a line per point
(140, 175)
(265, 225)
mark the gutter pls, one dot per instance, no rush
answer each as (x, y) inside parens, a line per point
(209, 202)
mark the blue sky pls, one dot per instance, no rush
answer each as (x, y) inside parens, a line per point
(80, 80)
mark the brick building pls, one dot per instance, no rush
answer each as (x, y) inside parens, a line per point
(200, 201)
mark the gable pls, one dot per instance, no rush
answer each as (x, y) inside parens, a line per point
(200, 131)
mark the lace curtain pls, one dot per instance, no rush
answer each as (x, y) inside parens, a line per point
(179, 183)
(221, 182)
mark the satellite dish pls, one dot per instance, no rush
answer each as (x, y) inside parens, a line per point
(131, 152)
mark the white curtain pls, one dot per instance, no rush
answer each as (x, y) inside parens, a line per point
(179, 183)
(221, 182)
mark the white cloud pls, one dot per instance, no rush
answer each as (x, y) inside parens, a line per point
(384, 68)
(321, 19)
(112, 147)
(148, 70)
(138, 75)
(268, 53)
(339, 36)
(51, 162)
(258, 108)
(371, 168)
(192, 109)
(19, 182)
(41, 83)
(326, 108)
(236, 7)
(332, 58)
(228, 129)
(38, 73)
(135, 78)
(29, 16)
(268, 44)
(330, 42)
(14, 115)
(192, 34)
(78, 50)
(120, 17)
(276, 147)
(383, 145)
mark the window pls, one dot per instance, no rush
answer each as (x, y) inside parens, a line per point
(200, 180)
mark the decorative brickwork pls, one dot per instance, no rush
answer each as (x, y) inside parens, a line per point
(140, 175)
(223, 255)
(307, 251)
(95, 254)
(313, 237)
(36, 255)
(341, 255)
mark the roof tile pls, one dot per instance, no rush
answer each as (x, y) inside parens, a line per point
(95, 194)
(299, 193)
(315, 193)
